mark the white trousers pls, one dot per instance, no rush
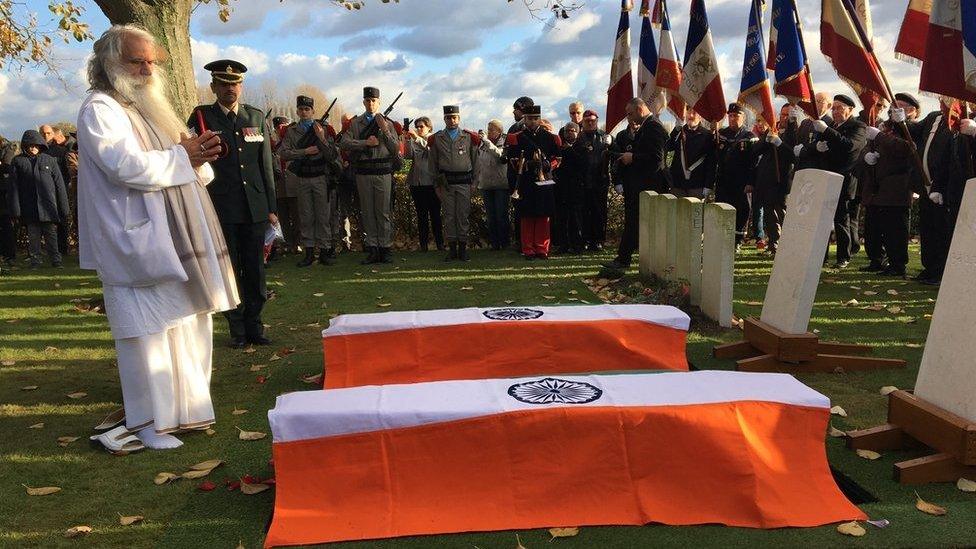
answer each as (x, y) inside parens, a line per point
(165, 376)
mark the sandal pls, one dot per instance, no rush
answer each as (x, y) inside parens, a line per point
(111, 420)
(118, 440)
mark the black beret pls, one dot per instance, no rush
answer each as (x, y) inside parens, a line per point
(845, 100)
(908, 98)
(522, 102)
(451, 109)
(370, 92)
(305, 101)
(532, 110)
(226, 70)
(735, 108)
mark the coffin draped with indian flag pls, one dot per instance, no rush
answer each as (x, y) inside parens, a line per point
(473, 343)
(730, 448)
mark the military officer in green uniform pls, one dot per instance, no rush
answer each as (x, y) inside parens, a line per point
(243, 193)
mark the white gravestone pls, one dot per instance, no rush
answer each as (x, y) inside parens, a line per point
(689, 246)
(664, 236)
(645, 242)
(718, 263)
(947, 374)
(799, 254)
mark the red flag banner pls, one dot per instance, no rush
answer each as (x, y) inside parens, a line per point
(621, 79)
(914, 31)
(844, 42)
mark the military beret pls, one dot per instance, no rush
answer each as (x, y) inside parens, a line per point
(845, 100)
(590, 114)
(532, 110)
(370, 92)
(305, 101)
(226, 70)
(451, 109)
(734, 108)
(522, 102)
(908, 98)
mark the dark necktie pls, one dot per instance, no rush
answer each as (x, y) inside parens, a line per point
(232, 116)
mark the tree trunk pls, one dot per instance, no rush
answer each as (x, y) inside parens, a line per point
(169, 22)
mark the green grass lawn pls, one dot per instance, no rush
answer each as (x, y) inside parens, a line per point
(63, 350)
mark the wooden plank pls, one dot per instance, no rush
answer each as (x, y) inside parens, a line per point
(763, 363)
(798, 348)
(772, 341)
(880, 438)
(843, 349)
(934, 468)
(738, 349)
(933, 426)
(831, 363)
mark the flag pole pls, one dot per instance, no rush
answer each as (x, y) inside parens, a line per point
(803, 48)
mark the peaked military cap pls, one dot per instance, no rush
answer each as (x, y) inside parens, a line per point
(451, 109)
(522, 102)
(845, 100)
(908, 98)
(226, 70)
(370, 92)
(305, 101)
(532, 110)
(735, 108)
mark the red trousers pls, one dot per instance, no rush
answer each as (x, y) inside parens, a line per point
(535, 235)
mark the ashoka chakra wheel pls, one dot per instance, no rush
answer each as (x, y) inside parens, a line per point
(512, 313)
(551, 391)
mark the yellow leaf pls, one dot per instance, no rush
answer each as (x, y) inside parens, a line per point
(383, 305)
(257, 367)
(518, 543)
(250, 435)
(966, 485)
(563, 532)
(43, 491)
(8, 362)
(163, 478)
(274, 356)
(127, 521)
(894, 309)
(928, 508)
(868, 454)
(210, 432)
(64, 441)
(836, 433)
(37, 426)
(50, 349)
(208, 465)
(573, 292)
(851, 303)
(888, 389)
(318, 294)
(838, 411)
(28, 388)
(892, 292)
(466, 288)
(193, 475)
(251, 489)
(851, 529)
(76, 531)
(310, 378)
(76, 396)
(875, 307)
(549, 297)
(237, 412)
(509, 301)
(249, 349)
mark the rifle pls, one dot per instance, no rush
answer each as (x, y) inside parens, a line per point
(373, 125)
(304, 167)
(308, 139)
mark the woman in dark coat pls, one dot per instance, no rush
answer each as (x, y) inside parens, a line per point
(38, 197)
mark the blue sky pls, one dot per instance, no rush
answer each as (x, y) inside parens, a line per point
(480, 54)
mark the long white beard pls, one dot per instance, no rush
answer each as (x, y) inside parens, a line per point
(147, 94)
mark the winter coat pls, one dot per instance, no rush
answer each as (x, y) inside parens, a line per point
(491, 168)
(37, 193)
(893, 179)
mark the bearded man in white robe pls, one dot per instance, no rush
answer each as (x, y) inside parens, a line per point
(148, 227)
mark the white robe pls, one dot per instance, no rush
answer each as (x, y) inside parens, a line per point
(164, 346)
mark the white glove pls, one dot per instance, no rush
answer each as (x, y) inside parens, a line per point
(797, 150)
(619, 188)
(822, 146)
(796, 113)
(936, 197)
(819, 126)
(967, 126)
(871, 158)
(897, 115)
(872, 132)
(774, 139)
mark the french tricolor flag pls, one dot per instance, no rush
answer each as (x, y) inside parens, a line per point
(621, 80)
(647, 63)
(943, 69)
(668, 76)
(701, 83)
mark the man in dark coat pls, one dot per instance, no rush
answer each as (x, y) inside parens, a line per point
(934, 141)
(837, 148)
(646, 170)
(535, 152)
(38, 197)
(243, 193)
(693, 158)
(60, 146)
(800, 130)
(736, 168)
(8, 240)
(518, 113)
(567, 219)
(593, 150)
(774, 171)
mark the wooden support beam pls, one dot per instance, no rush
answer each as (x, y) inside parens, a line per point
(843, 349)
(934, 468)
(738, 349)
(880, 438)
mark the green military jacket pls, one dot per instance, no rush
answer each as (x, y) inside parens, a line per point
(243, 186)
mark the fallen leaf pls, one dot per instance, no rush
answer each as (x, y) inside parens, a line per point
(563, 532)
(466, 288)
(875, 307)
(206, 486)
(838, 411)
(163, 478)
(383, 305)
(240, 543)
(237, 412)
(313, 378)
(836, 433)
(318, 294)
(509, 302)
(852, 303)
(208, 465)
(259, 379)
(851, 529)
(966, 485)
(250, 349)
(128, 521)
(64, 441)
(894, 309)
(892, 292)
(76, 396)
(28, 388)
(37, 426)
(928, 508)
(573, 292)
(855, 287)
(8, 362)
(250, 489)
(50, 349)
(76, 531)
(257, 367)
(887, 390)
(250, 435)
(193, 475)
(210, 432)
(870, 292)
(43, 491)
(518, 543)
(913, 345)
(868, 454)
(549, 297)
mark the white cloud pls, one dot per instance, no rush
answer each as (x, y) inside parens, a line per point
(570, 31)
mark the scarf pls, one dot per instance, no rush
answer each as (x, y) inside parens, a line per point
(195, 229)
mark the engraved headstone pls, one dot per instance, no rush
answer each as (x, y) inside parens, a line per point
(688, 267)
(799, 255)
(718, 263)
(645, 242)
(664, 236)
(947, 374)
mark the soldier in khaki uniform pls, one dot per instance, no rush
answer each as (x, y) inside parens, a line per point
(374, 152)
(313, 157)
(452, 158)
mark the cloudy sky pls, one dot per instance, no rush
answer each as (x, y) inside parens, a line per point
(480, 54)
